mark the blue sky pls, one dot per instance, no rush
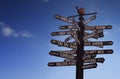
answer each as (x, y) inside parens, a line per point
(25, 27)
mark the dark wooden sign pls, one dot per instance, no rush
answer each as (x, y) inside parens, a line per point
(99, 27)
(70, 63)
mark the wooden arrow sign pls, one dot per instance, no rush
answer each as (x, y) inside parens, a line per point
(65, 51)
(89, 60)
(63, 55)
(89, 66)
(61, 33)
(98, 43)
(107, 51)
(99, 27)
(94, 60)
(62, 63)
(87, 52)
(96, 36)
(88, 56)
(70, 55)
(86, 34)
(93, 34)
(70, 63)
(65, 19)
(60, 43)
(95, 43)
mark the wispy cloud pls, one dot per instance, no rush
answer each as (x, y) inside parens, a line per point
(7, 31)
(25, 34)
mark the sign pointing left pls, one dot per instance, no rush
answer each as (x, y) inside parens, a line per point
(60, 43)
(64, 19)
(63, 55)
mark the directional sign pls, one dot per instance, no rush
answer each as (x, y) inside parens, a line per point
(100, 27)
(88, 52)
(67, 27)
(93, 34)
(61, 33)
(70, 63)
(86, 36)
(60, 43)
(89, 19)
(98, 43)
(65, 60)
(95, 43)
(64, 19)
(62, 63)
(84, 57)
(70, 55)
(94, 60)
(89, 66)
(65, 51)
(108, 51)
(89, 56)
(63, 55)
(88, 60)
(72, 21)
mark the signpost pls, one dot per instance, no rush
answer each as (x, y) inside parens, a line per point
(88, 56)
(87, 52)
(61, 33)
(63, 55)
(86, 36)
(60, 43)
(94, 60)
(93, 34)
(98, 43)
(76, 41)
(65, 51)
(101, 27)
(108, 51)
(70, 63)
(65, 19)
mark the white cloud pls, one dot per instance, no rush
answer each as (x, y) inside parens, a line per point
(25, 34)
(7, 31)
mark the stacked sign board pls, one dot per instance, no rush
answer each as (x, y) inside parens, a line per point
(89, 58)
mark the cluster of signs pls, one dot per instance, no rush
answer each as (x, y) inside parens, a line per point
(89, 58)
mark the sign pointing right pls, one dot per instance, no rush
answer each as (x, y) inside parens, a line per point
(99, 27)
